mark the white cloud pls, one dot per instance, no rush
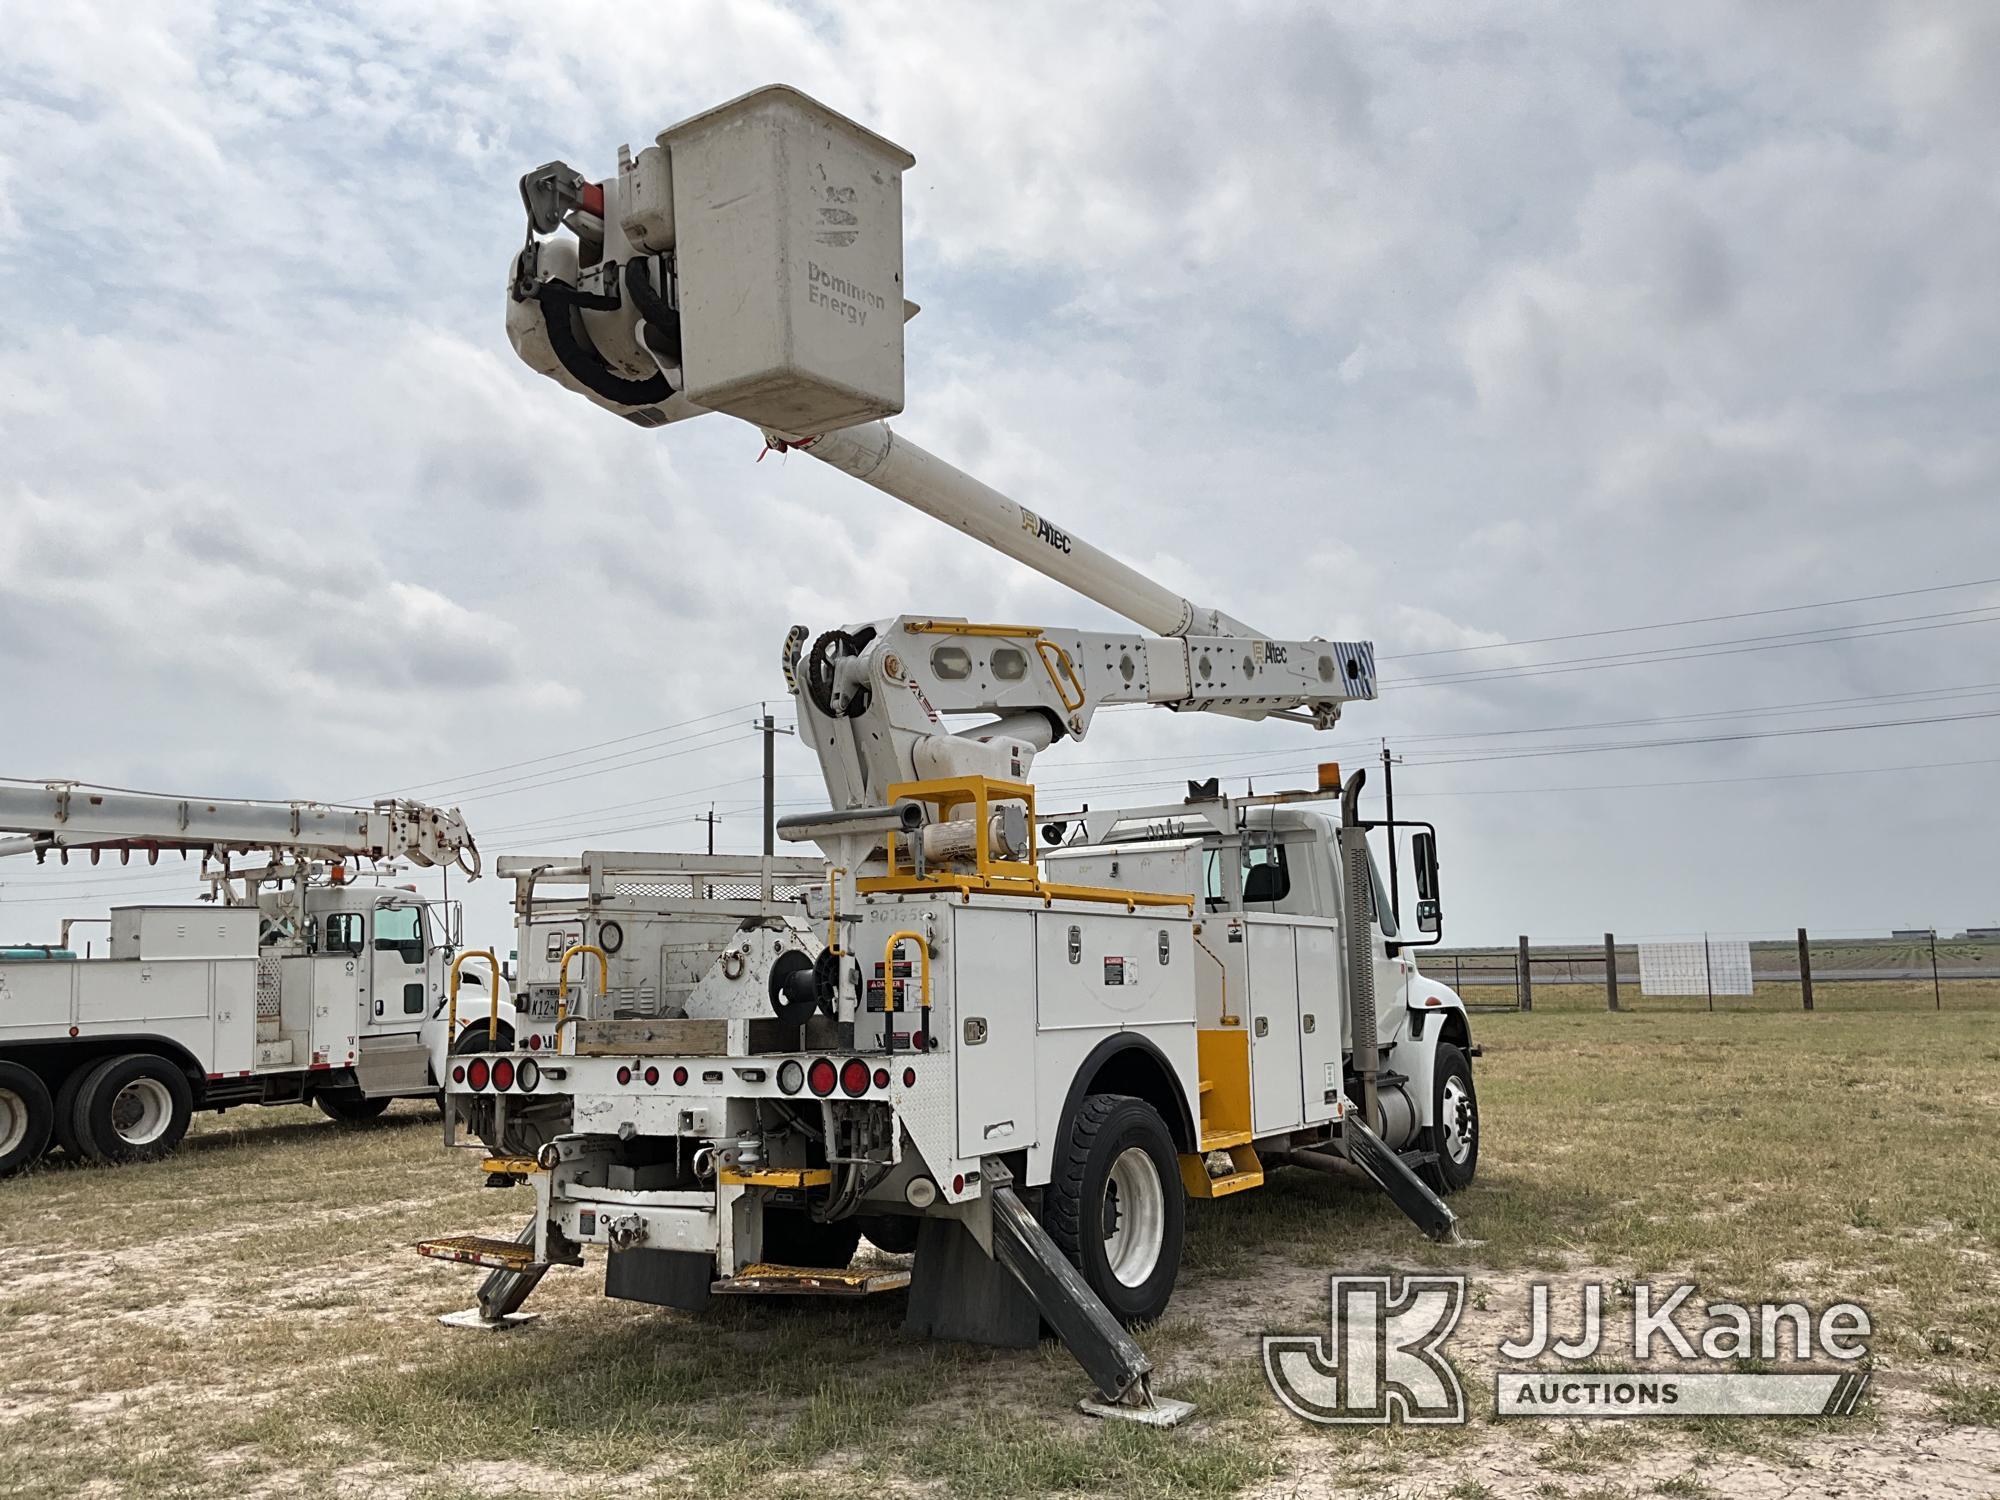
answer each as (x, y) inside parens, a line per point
(1438, 326)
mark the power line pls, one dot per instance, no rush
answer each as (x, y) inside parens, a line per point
(686, 798)
(1735, 647)
(529, 784)
(471, 776)
(1450, 758)
(1743, 614)
(1633, 786)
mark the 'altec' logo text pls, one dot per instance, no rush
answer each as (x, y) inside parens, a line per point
(1042, 531)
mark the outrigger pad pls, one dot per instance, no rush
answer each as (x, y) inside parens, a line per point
(960, 1293)
(665, 1278)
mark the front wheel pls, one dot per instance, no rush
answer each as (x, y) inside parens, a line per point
(1115, 1205)
(1454, 1138)
(351, 1109)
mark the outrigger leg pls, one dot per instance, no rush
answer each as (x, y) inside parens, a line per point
(1405, 1188)
(1110, 1356)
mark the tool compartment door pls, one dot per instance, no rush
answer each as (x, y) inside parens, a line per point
(1319, 983)
(993, 990)
(1272, 960)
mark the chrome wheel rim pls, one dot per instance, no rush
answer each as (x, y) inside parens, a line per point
(140, 1113)
(1461, 1124)
(13, 1121)
(1135, 1217)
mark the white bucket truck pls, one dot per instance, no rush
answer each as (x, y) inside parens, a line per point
(1018, 1039)
(293, 982)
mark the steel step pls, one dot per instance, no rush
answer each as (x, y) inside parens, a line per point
(1246, 1171)
(480, 1250)
(763, 1280)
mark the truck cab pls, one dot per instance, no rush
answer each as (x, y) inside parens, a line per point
(1272, 913)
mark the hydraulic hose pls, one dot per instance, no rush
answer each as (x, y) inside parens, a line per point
(579, 356)
(662, 319)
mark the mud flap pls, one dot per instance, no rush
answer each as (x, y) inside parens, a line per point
(1406, 1190)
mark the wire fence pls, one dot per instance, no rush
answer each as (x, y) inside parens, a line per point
(1913, 969)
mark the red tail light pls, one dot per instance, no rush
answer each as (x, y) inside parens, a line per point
(909, 1078)
(854, 1078)
(624, 1075)
(503, 1073)
(458, 1073)
(881, 1078)
(821, 1077)
(652, 1077)
(680, 1077)
(477, 1074)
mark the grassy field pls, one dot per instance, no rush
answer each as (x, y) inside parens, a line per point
(247, 1318)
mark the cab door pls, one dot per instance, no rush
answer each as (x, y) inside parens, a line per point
(1392, 975)
(398, 988)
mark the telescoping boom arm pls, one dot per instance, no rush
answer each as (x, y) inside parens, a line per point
(61, 816)
(750, 262)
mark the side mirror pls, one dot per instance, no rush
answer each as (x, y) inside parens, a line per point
(1430, 909)
(1423, 850)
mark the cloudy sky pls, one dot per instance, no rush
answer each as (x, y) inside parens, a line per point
(1453, 327)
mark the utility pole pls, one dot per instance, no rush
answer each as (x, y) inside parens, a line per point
(1389, 793)
(767, 727)
(711, 820)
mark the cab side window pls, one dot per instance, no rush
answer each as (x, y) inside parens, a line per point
(400, 930)
(1265, 876)
(344, 932)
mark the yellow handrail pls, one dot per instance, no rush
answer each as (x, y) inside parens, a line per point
(562, 979)
(833, 908)
(493, 976)
(923, 973)
(1053, 656)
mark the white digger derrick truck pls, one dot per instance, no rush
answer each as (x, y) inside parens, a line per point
(290, 983)
(1020, 1037)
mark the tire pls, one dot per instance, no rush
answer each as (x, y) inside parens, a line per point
(794, 1238)
(351, 1109)
(475, 1038)
(27, 1118)
(895, 1234)
(133, 1108)
(65, 1124)
(1454, 1139)
(1116, 1207)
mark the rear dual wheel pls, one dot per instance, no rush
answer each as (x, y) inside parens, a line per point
(27, 1117)
(135, 1107)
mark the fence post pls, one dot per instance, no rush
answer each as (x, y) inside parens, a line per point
(1525, 977)
(1805, 970)
(1708, 969)
(1937, 992)
(1610, 972)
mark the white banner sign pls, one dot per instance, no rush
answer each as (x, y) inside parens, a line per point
(1714, 966)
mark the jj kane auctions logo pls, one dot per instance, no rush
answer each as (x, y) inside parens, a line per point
(1383, 1358)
